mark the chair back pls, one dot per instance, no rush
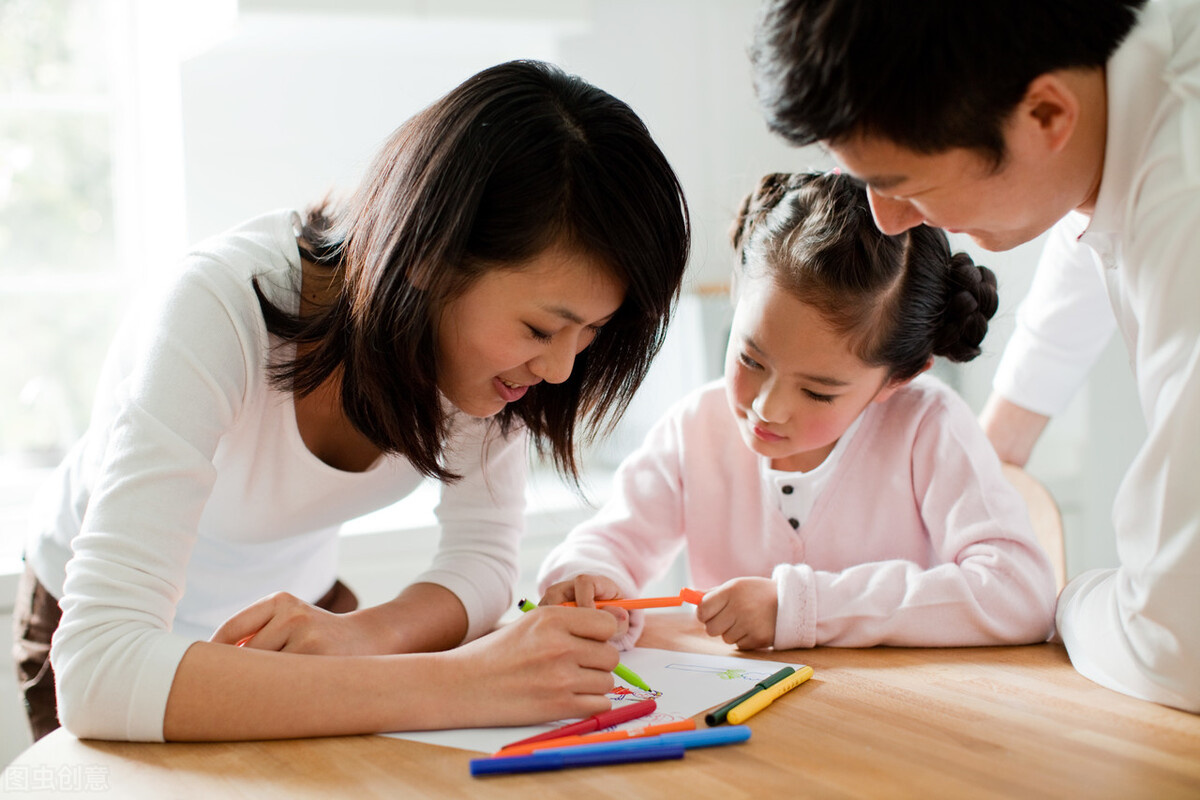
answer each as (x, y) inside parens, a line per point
(1046, 518)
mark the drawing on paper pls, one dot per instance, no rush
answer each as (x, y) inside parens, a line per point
(623, 694)
(683, 684)
(725, 674)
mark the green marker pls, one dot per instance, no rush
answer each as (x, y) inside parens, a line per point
(718, 715)
(629, 676)
(623, 672)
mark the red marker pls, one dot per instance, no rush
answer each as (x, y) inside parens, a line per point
(605, 719)
(596, 738)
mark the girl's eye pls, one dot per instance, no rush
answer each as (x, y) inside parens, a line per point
(748, 362)
(820, 398)
(540, 335)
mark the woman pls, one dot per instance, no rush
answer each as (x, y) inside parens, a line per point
(505, 270)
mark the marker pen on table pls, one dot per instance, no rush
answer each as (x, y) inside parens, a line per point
(651, 748)
(600, 737)
(605, 719)
(758, 702)
(717, 715)
(561, 759)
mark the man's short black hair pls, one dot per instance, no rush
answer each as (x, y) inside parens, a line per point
(928, 75)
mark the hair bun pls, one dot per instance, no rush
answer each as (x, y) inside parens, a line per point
(971, 301)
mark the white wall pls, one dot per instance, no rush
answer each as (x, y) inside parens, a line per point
(289, 106)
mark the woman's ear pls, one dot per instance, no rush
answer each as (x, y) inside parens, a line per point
(893, 384)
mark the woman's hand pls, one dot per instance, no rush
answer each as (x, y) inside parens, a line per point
(552, 663)
(285, 623)
(742, 612)
(423, 618)
(584, 591)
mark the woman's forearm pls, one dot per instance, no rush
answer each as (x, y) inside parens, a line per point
(423, 618)
(553, 663)
(222, 692)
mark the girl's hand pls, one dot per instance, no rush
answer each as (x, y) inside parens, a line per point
(552, 663)
(285, 623)
(742, 612)
(584, 591)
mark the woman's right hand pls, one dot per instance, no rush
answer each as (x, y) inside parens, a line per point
(552, 663)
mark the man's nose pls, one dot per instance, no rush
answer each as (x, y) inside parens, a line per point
(893, 216)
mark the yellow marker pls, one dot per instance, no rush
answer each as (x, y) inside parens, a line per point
(758, 702)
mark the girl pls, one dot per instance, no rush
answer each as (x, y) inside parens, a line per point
(826, 493)
(504, 270)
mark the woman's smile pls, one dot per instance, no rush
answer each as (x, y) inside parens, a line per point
(510, 392)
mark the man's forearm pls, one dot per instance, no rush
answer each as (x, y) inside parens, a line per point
(1012, 429)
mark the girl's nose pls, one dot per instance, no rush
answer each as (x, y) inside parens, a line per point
(893, 216)
(769, 404)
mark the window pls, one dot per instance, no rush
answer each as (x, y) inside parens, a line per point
(60, 224)
(58, 219)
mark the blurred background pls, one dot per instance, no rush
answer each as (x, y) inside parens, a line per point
(130, 129)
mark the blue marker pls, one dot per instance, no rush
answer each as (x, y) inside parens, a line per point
(711, 737)
(620, 751)
(706, 737)
(561, 758)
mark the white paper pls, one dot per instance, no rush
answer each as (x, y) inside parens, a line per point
(682, 685)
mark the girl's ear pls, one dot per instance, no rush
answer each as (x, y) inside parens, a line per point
(893, 384)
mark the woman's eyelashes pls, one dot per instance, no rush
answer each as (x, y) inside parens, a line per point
(543, 336)
(820, 398)
(749, 362)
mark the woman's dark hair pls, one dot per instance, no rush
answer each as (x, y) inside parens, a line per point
(901, 299)
(926, 75)
(517, 158)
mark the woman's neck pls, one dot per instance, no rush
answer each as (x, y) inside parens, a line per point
(320, 417)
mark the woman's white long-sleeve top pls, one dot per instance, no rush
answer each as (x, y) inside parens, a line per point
(192, 494)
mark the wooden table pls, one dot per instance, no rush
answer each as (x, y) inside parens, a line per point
(1011, 722)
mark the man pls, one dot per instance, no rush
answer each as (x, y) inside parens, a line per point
(1002, 120)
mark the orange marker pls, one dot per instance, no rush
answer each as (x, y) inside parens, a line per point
(594, 738)
(685, 595)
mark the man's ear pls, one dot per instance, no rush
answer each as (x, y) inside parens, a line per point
(894, 384)
(1050, 111)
